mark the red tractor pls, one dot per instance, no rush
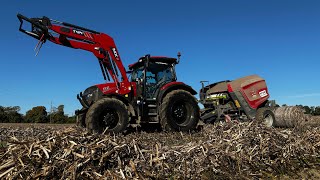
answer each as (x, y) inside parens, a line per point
(151, 95)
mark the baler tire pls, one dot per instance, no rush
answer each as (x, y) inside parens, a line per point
(108, 113)
(266, 116)
(179, 103)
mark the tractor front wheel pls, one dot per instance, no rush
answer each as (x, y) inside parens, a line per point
(179, 111)
(107, 115)
(81, 120)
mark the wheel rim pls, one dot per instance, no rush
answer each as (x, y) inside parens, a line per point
(268, 120)
(109, 119)
(181, 112)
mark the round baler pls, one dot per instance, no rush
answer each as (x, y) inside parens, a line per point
(243, 98)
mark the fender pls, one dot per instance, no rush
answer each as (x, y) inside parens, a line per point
(164, 90)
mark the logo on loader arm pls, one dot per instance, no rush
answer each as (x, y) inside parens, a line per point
(115, 53)
(78, 32)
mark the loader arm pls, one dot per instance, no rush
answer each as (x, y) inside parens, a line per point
(65, 34)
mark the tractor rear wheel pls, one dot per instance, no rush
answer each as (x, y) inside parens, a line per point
(266, 116)
(179, 111)
(107, 114)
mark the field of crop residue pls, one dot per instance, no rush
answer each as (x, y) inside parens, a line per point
(220, 151)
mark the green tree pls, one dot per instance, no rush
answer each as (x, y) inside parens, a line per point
(58, 115)
(317, 111)
(12, 109)
(15, 117)
(61, 109)
(307, 109)
(71, 119)
(313, 108)
(3, 115)
(10, 114)
(37, 114)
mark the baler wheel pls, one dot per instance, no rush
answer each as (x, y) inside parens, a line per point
(266, 116)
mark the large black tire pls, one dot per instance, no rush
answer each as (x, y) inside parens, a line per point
(81, 120)
(179, 111)
(266, 116)
(107, 113)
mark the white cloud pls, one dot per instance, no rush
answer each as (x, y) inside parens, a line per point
(305, 95)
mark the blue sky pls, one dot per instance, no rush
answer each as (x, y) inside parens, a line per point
(276, 39)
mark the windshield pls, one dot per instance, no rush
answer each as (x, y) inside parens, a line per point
(157, 73)
(137, 74)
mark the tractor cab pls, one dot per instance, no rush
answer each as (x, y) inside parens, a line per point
(151, 73)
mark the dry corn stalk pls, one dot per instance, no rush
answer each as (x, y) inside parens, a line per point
(225, 151)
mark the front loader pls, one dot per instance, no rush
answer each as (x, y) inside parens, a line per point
(151, 95)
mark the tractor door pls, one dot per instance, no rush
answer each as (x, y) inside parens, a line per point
(148, 84)
(137, 77)
(158, 74)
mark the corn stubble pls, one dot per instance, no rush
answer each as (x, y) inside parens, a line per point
(219, 151)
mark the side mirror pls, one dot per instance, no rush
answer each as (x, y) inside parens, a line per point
(179, 55)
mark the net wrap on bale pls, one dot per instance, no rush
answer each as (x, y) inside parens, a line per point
(289, 116)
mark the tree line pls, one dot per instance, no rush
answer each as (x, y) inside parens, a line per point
(37, 114)
(313, 110)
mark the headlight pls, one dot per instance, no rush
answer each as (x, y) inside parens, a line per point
(89, 98)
